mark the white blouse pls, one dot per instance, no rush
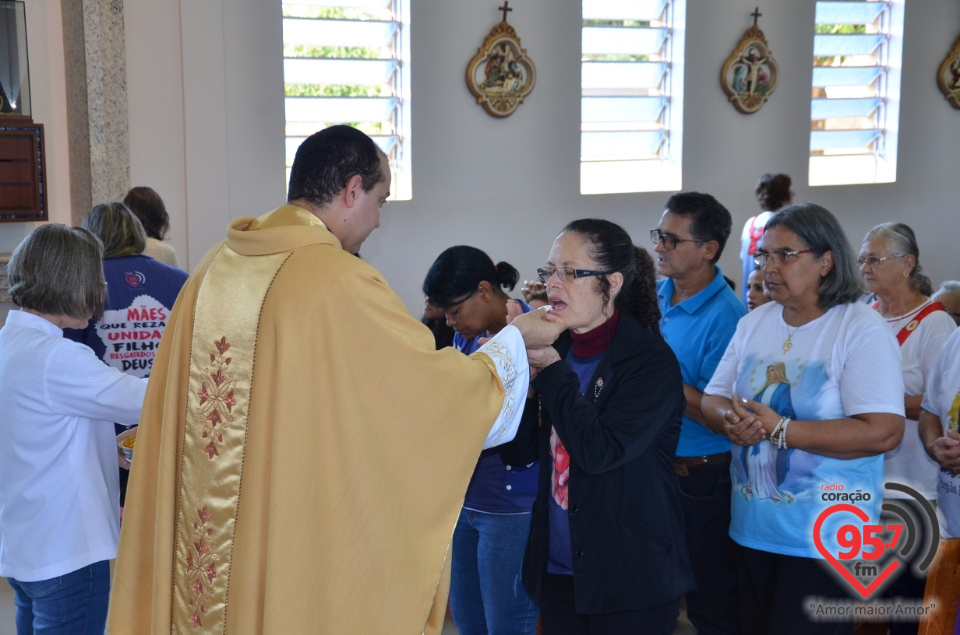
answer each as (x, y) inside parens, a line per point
(59, 484)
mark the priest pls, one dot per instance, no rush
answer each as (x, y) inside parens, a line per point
(304, 450)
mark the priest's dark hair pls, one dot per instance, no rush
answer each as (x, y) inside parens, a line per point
(328, 159)
(611, 247)
(58, 270)
(458, 271)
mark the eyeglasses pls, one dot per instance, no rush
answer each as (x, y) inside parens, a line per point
(873, 261)
(567, 273)
(669, 240)
(779, 256)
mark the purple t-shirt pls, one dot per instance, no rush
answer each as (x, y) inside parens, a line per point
(495, 487)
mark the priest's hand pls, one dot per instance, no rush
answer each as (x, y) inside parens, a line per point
(538, 328)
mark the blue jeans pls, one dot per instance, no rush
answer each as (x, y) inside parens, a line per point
(71, 604)
(486, 591)
(705, 498)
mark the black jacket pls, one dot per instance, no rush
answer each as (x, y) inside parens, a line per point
(626, 528)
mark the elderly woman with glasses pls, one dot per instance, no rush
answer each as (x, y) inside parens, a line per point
(837, 369)
(606, 552)
(890, 265)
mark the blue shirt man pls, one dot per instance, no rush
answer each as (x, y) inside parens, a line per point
(699, 314)
(698, 330)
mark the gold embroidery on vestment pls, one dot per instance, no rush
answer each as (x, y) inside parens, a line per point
(499, 359)
(221, 377)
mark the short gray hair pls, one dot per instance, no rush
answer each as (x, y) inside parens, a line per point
(949, 286)
(58, 270)
(120, 230)
(902, 241)
(820, 231)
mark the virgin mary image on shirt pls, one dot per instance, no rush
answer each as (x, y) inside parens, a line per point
(767, 466)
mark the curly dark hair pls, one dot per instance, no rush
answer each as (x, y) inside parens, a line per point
(457, 272)
(612, 249)
(326, 160)
(773, 191)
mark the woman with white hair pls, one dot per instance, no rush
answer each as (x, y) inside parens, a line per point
(949, 296)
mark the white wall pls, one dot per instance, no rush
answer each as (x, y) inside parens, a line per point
(206, 122)
(205, 88)
(508, 186)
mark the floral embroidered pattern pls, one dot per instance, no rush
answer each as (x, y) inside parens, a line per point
(216, 398)
(201, 567)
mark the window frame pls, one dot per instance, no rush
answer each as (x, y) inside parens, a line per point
(871, 156)
(620, 171)
(397, 146)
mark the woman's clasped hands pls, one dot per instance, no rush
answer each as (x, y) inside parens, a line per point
(749, 422)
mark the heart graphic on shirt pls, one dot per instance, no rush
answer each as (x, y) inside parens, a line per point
(134, 279)
(864, 590)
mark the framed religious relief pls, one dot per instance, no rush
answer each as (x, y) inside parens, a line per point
(948, 76)
(501, 75)
(750, 74)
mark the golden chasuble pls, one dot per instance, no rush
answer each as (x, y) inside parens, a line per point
(357, 441)
(222, 358)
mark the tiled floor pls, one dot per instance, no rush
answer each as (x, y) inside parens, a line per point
(7, 611)
(684, 627)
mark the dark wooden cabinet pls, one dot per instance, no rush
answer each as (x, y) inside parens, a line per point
(22, 171)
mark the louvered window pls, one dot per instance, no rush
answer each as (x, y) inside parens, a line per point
(346, 62)
(856, 84)
(631, 88)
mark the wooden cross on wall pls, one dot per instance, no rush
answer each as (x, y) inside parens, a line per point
(756, 15)
(505, 8)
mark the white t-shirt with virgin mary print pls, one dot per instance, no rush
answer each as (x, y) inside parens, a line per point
(844, 363)
(942, 398)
